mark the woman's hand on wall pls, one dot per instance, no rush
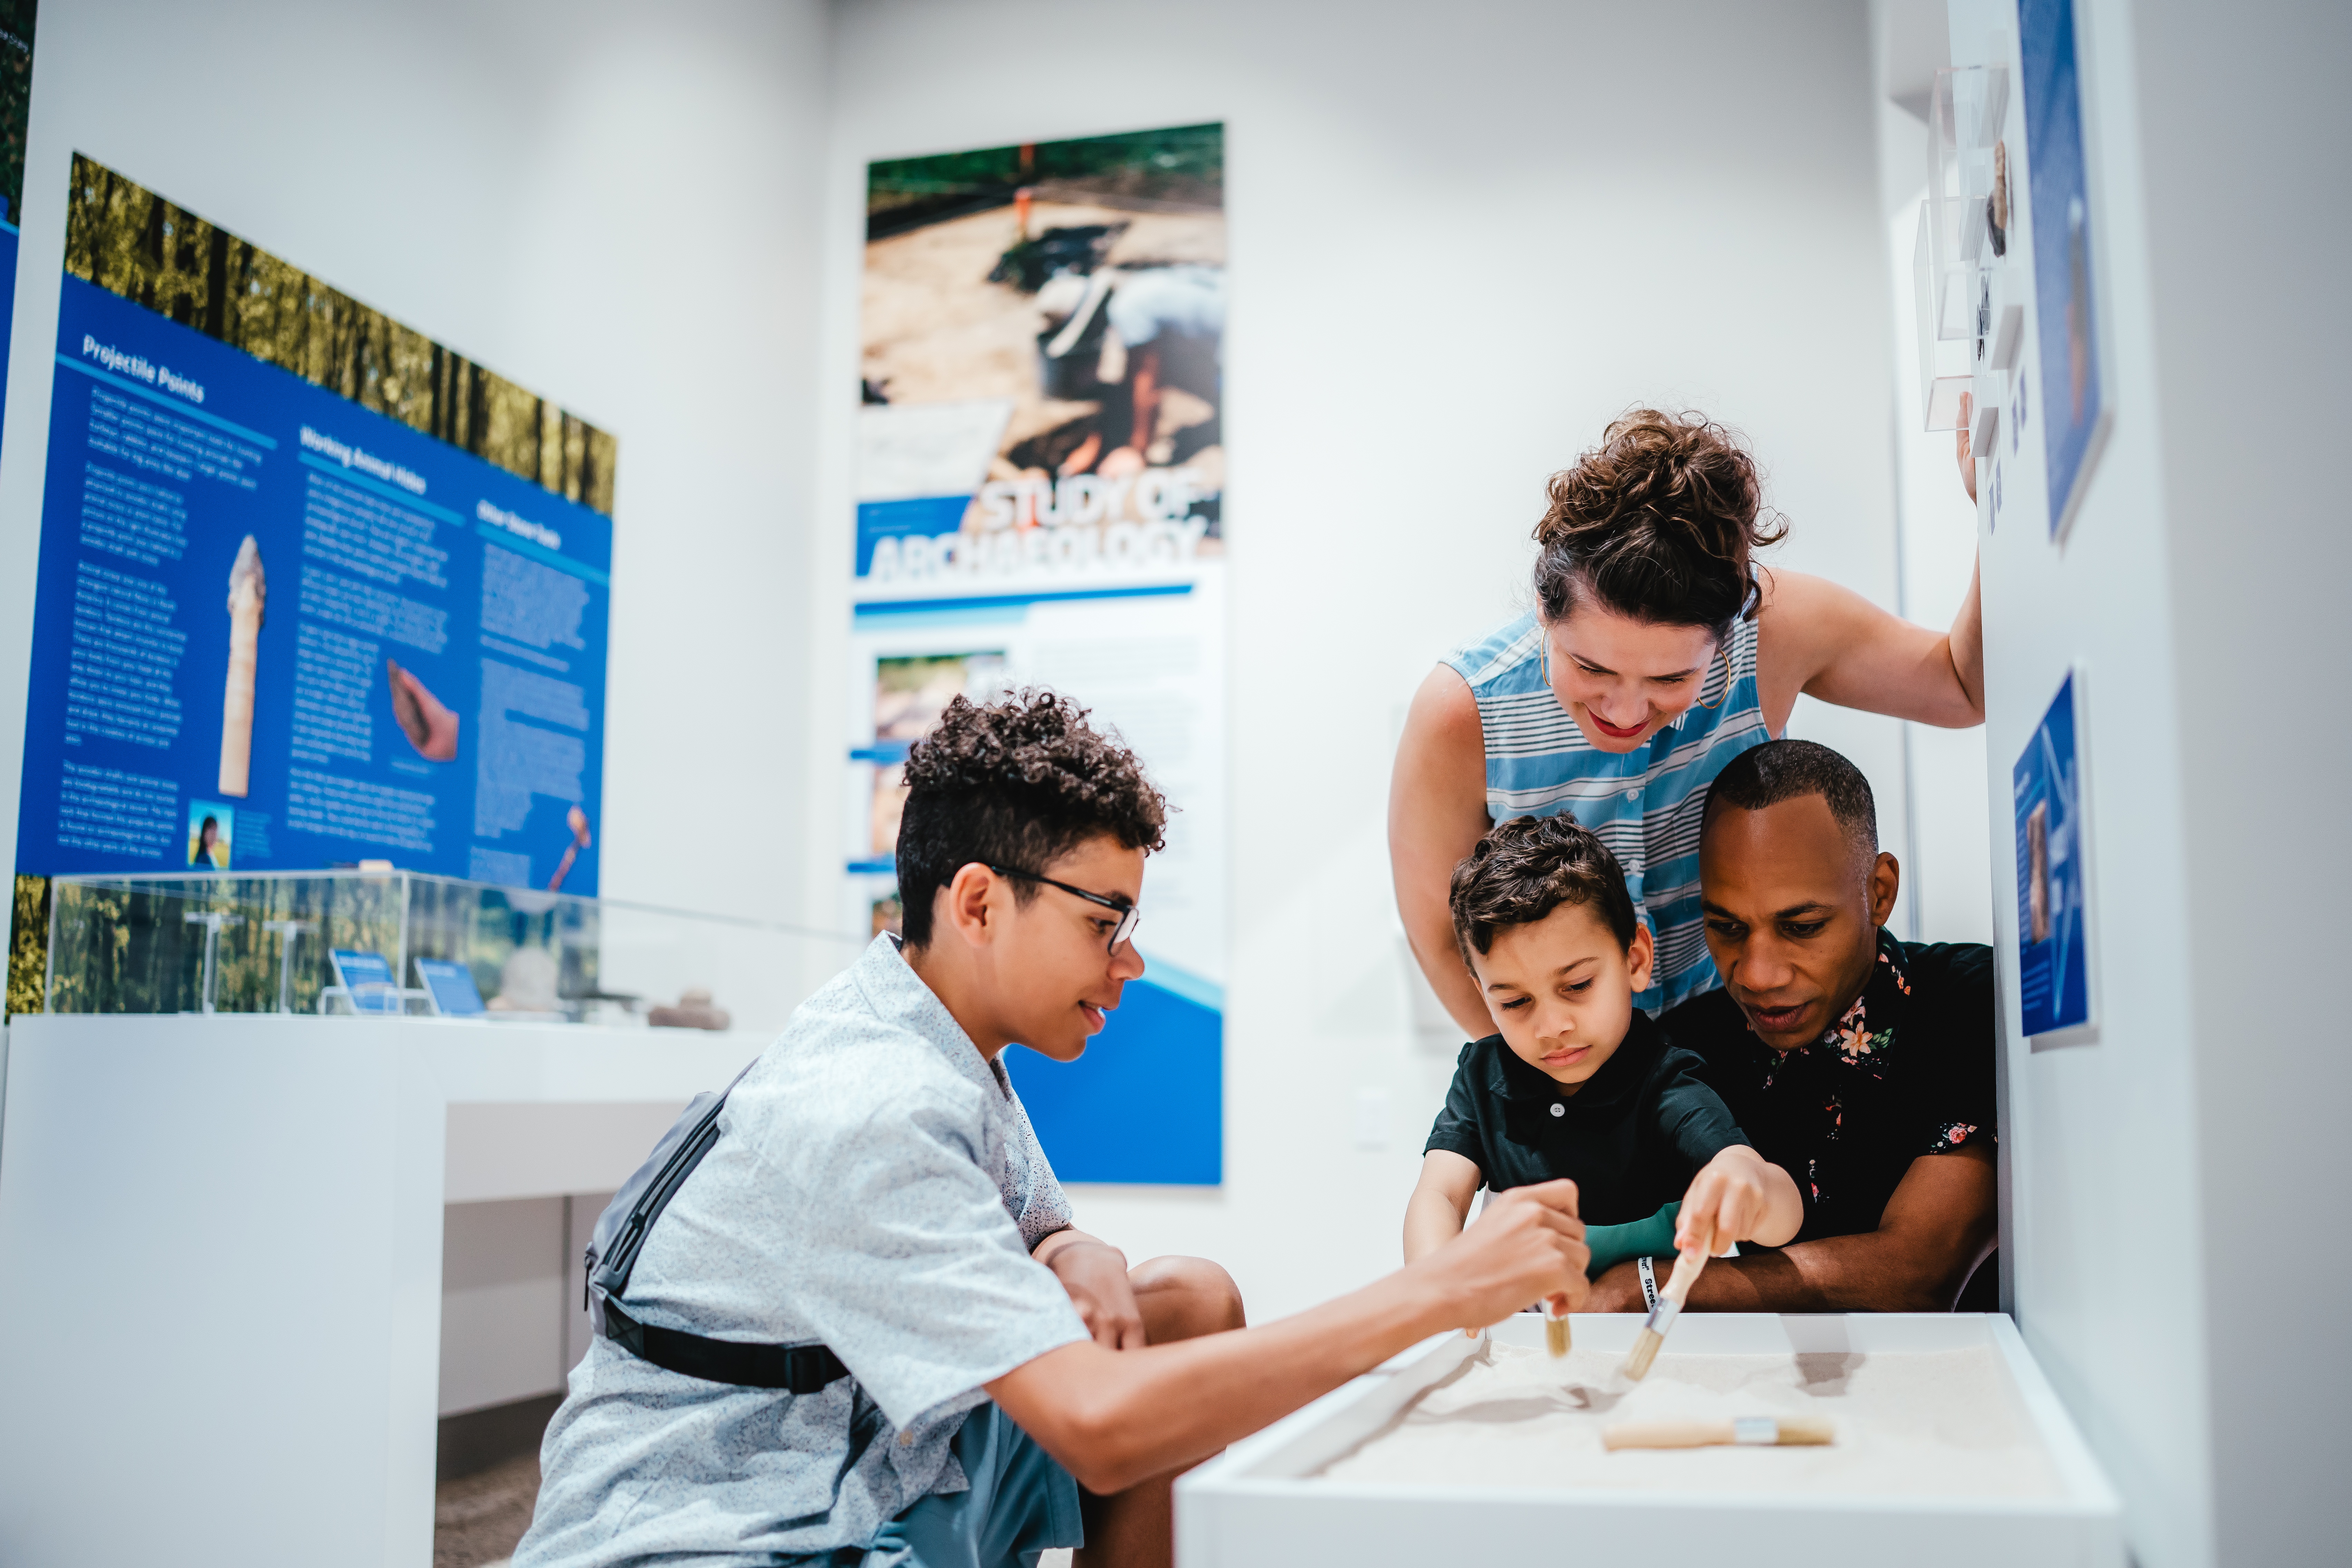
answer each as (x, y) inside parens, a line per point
(1960, 447)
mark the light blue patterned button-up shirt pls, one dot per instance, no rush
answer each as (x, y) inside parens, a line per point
(875, 1187)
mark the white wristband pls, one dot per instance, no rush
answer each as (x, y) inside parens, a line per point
(1649, 1285)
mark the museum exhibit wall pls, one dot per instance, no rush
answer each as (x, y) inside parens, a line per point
(606, 203)
(610, 204)
(1945, 851)
(1461, 240)
(2166, 1272)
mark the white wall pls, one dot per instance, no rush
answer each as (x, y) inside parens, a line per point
(2246, 133)
(2170, 1272)
(1462, 238)
(613, 205)
(505, 1302)
(1946, 857)
(511, 1321)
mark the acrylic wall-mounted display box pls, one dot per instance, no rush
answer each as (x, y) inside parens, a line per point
(1265, 1503)
(375, 943)
(1960, 241)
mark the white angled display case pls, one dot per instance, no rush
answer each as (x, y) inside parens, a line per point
(230, 1137)
(1263, 1503)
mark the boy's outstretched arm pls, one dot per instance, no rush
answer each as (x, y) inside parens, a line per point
(1937, 1227)
(1440, 1205)
(1115, 1417)
(1739, 1196)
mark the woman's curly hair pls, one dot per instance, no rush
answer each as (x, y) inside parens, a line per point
(1525, 868)
(1656, 523)
(1019, 782)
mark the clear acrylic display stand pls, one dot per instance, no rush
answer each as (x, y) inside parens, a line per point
(1958, 313)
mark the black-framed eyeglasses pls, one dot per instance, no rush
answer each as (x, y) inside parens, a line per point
(1130, 917)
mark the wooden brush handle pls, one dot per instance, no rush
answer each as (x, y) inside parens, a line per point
(1793, 1432)
(1685, 1275)
(1666, 1434)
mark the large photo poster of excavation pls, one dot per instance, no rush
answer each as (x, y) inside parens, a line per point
(314, 589)
(1041, 476)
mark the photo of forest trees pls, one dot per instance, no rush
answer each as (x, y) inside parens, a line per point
(133, 242)
(1181, 169)
(15, 102)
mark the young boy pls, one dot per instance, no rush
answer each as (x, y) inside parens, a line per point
(876, 1195)
(1578, 1083)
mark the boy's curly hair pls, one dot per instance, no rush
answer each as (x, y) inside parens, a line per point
(1525, 868)
(1016, 783)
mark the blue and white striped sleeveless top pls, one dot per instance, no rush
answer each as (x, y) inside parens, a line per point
(1645, 804)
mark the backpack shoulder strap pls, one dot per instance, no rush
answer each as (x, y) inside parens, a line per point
(610, 1274)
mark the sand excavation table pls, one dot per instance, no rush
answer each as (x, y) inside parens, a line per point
(1947, 1446)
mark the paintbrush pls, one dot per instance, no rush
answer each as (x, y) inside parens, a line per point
(1670, 1306)
(1746, 1431)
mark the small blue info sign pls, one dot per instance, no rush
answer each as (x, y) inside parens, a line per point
(2053, 972)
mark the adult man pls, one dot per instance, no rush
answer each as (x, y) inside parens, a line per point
(1861, 1065)
(876, 1199)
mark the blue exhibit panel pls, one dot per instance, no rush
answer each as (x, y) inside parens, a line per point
(2054, 968)
(1145, 1104)
(2065, 301)
(427, 680)
(8, 315)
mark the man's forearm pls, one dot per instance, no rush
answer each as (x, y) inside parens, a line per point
(1936, 1230)
(1866, 1273)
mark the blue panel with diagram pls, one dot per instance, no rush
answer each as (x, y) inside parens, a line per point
(2053, 967)
(291, 618)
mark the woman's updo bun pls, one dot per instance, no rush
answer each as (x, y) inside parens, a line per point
(1656, 523)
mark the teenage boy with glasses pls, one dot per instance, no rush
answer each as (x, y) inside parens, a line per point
(876, 1189)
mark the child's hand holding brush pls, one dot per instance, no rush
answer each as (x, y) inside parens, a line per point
(1739, 1196)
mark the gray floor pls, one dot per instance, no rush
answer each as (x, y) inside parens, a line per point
(477, 1518)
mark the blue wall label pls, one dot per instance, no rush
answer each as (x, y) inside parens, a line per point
(2053, 978)
(1145, 1104)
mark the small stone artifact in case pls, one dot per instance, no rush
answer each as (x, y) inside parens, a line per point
(693, 1010)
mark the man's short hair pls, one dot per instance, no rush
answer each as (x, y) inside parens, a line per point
(1784, 770)
(1528, 866)
(1015, 783)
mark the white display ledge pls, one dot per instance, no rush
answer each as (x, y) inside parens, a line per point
(221, 1239)
(1261, 1504)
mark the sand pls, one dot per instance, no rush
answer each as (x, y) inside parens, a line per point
(1918, 1424)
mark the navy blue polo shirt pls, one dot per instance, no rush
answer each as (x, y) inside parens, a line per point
(1907, 1071)
(1631, 1138)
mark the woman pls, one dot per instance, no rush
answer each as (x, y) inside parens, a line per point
(1654, 655)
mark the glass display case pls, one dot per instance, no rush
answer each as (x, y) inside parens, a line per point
(382, 943)
(1963, 230)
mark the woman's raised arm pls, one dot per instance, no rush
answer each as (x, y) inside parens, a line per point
(1830, 642)
(1437, 813)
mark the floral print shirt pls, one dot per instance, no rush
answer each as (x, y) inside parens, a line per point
(1906, 1069)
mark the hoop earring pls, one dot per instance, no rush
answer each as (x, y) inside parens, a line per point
(1727, 678)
